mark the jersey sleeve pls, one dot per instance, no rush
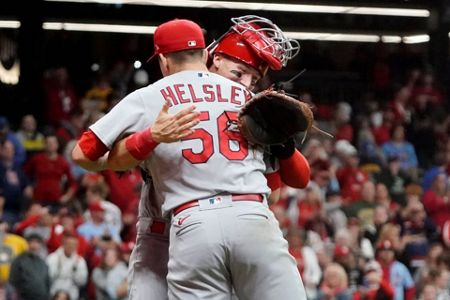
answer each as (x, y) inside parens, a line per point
(126, 117)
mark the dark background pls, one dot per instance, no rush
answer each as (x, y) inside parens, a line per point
(326, 62)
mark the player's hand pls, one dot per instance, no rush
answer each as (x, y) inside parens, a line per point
(171, 128)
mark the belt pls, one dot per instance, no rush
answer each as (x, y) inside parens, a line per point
(234, 197)
(158, 227)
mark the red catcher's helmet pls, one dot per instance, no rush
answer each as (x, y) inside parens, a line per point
(258, 42)
(235, 46)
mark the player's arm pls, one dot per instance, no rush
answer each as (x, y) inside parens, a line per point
(126, 117)
(167, 128)
(293, 167)
(90, 152)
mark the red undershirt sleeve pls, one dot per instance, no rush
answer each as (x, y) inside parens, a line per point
(92, 146)
(295, 171)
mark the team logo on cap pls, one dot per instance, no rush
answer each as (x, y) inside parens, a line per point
(192, 43)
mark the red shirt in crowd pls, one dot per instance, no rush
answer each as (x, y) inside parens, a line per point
(48, 176)
(124, 187)
(351, 181)
(437, 207)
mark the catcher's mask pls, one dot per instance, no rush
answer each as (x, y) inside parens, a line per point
(258, 42)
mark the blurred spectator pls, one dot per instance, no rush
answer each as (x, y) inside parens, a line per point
(363, 208)
(15, 189)
(429, 292)
(334, 284)
(60, 96)
(349, 260)
(439, 278)
(310, 205)
(342, 130)
(369, 152)
(68, 270)
(97, 191)
(29, 272)
(395, 272)
(7, 291)
(324, 175)
(307, 262)
(32, 140)
(52, 178)
(436, 200)
(125, 250)
(125, 187)
(110, 278)
(358, 242)
(66, 222)
(96, 98)
(314, 150)
(97, 228)
(70, 129)
(394, 179)
(380, 126)
(351, 178)
(38, 220)
(11, 246)
(430, 174)
(417, 230)
(321, 225)
(383, 198)
(380, 217)
(125, 190)
(374, 286)
(399, 108)
(75, 168)
(7, 134)
(333, 208)
(390, 232)
(431, 262)
(61, 295)
(426, 88)
(398, 146)
(280, 214)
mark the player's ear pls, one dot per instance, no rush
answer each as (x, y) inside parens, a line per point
(163, 64)
(205, 56)
(216, 61)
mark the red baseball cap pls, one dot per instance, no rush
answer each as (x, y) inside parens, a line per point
(96, 206)
(385, 245)
(177, 35)
(341, 251)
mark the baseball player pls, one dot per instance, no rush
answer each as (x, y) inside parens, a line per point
(222, 234)
(234, 59)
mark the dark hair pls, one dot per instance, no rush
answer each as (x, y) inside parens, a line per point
(186, 55)
(34, 237)
(59, 292)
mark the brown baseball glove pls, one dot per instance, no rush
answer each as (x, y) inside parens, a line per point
(272, 117)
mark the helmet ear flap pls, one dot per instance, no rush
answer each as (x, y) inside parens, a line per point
(264, 51)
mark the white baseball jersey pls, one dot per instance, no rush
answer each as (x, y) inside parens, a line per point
(215, 159)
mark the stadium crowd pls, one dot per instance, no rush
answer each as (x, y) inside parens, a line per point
(373, 223)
